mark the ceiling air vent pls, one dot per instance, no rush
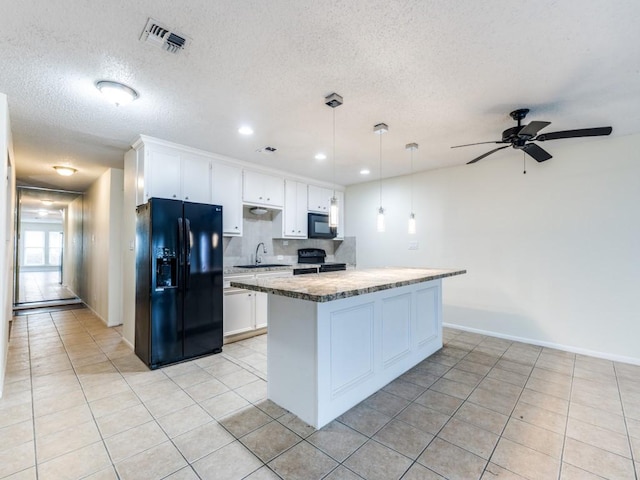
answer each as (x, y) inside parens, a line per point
(267, 150)
(163, 37)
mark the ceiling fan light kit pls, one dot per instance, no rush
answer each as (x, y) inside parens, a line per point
(520, 136)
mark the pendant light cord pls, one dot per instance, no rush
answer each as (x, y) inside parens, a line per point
(334, 153)
(380, 170)
(412, 181)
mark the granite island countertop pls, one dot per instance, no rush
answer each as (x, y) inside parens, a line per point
(326, 287)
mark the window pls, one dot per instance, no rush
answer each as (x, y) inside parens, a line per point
(55, 248)
(33, 248)
(42, 248)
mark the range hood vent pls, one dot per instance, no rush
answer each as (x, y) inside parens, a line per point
(161, 36)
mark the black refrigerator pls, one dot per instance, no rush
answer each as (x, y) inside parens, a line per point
(178, 281)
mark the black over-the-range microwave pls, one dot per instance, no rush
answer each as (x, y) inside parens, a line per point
(318, 224)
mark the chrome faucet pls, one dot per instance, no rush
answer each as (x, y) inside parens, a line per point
(264, 250)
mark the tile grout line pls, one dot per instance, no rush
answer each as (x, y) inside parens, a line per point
(566, 423)
(626, 424)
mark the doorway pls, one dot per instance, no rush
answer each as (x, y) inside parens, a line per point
(48, 251)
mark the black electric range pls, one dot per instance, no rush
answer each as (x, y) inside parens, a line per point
(314, 258)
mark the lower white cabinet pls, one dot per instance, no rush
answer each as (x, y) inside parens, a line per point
(246, 311)
(239, 311)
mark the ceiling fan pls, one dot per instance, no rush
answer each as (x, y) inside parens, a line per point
(520, 136)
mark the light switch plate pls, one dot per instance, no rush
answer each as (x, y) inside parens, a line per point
(413, 245)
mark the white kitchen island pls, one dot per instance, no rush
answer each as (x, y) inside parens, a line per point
(336, 338)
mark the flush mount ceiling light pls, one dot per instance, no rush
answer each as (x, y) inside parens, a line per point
(245, 130)
(380, 129)
(43, 213)
(65, 171)
(365, 171)
(412, 216)
(320, 156)
(116, 92)
(46, 202)
(334, 100)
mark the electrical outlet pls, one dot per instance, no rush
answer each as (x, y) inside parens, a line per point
(413, 245)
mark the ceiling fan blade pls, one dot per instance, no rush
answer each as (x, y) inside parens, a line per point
(487, 154)
(583, 132)
(479, 143)
(539, 154)
(529, 131)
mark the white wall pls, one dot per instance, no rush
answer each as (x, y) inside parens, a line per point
(102, 246)
(553, 256)
(72, 272)
(7, 196)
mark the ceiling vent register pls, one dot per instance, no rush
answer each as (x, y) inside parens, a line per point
(161, 36)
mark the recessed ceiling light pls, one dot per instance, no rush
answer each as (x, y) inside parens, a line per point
(365, 171)
(65, 171)
(47, 202)
(116, 92)
(320, 156)
(43, 213)
(245, 130)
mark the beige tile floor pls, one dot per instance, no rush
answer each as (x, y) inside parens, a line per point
(42, 286)
(79, 404)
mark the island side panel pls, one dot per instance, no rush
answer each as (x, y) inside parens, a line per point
(367, 341)
(291, 356)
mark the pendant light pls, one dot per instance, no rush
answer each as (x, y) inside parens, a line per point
(334, 100)
(412, 216)
(380, 129)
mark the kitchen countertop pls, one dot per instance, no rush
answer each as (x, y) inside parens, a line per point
(325, 287)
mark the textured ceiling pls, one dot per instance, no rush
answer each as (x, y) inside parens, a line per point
(439, 73)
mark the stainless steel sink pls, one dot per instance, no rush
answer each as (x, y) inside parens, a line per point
(263, 265)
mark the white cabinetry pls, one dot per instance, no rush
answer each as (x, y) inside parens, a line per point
(291, 222)
(227, 191)
(340, 232)
(263, 189)
(195, 178)
(246, 311)
(169, 172)
(239, 311)
(319, 199)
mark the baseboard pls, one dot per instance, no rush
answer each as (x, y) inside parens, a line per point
(557, 346)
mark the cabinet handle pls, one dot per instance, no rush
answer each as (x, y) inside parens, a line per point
(174, 195)
(260, 198)
(186, 198)
(236, 228)
(268, 199)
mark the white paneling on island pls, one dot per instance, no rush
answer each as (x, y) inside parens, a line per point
(336, 338)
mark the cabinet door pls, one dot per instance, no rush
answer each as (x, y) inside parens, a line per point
(196, 178)
(263, 189)
(262, 309)
(162, 172)
(239, 314)
(319, 199)
(295, 209)
(340, 198)
(227, 191)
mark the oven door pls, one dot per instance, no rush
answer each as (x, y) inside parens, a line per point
(318, 224)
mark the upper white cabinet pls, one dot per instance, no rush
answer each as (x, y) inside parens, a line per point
(340, 198)
(227, 191)
(319, 199)
(167, 172)
(291, 222)
(195, 178)
(263, 189)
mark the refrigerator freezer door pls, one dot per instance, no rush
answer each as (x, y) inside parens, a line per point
(202, 287)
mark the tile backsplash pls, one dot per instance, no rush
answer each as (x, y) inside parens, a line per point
(259, 228)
